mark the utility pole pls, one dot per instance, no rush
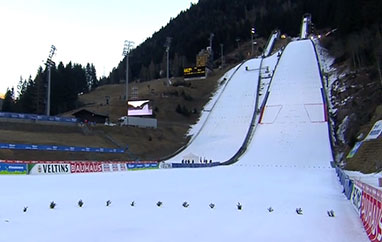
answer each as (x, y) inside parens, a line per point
(252, 35)
(167, 45)
(49, 63)
(126, 51)
(211, 59)
(211, 38)
(238, 42)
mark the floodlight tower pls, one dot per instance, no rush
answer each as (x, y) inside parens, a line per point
(49, 63)
(167, 45)
(252, 35)
(212, 52)
(126, 51)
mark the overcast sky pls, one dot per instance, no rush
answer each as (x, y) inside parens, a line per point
(82, 30)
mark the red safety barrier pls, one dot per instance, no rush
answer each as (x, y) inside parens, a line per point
(371, 211)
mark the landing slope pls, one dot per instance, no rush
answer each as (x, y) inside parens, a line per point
(293, 128)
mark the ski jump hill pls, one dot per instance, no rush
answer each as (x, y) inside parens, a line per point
(273, 110)
(292, 120)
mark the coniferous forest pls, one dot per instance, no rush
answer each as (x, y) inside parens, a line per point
(67, 82)
(358, 25)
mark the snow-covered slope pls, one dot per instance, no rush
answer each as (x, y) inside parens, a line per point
(285, 167)
(293, 130)
(229, 120)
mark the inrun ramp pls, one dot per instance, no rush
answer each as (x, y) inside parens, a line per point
(228, 121)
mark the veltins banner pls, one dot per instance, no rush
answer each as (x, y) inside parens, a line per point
(49, 169)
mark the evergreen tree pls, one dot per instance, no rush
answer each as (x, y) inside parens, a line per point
(66, 83)
(232, 19)
(25, 101)
(8, 103)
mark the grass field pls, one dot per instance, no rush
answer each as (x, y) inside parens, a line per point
(143, 143)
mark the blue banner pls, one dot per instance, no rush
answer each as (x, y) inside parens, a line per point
(195, 165)
(6, 168)
(348, 187)
(38, 117)
(346, 182)
(59, 148)
(133, 166)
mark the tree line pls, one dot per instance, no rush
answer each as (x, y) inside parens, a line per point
(67, 82)
(357, 23)
(357, 37)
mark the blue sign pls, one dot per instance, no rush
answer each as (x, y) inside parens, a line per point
(38, 117)
(195, 165)
(59, 148)
(6, 168)
(132, 166)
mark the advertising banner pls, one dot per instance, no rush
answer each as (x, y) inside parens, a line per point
(194, 72)
(165, 165)
(195, 165)
(113, 167)
(354, 150)
(371, 211)
(106, 167)
(142, 166)
(38, 117)
(375, 131)
(85, 167)
(66, 167)
(13, 169)
(123, 167)
(49, 169)
(356, 198)
(59, 148)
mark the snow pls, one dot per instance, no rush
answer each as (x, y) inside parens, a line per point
(286, 165)
(370, 179)
(271, 42)
(342, 129)
(229, 120)
(224, 186)
(194, 130)
(293, 124)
